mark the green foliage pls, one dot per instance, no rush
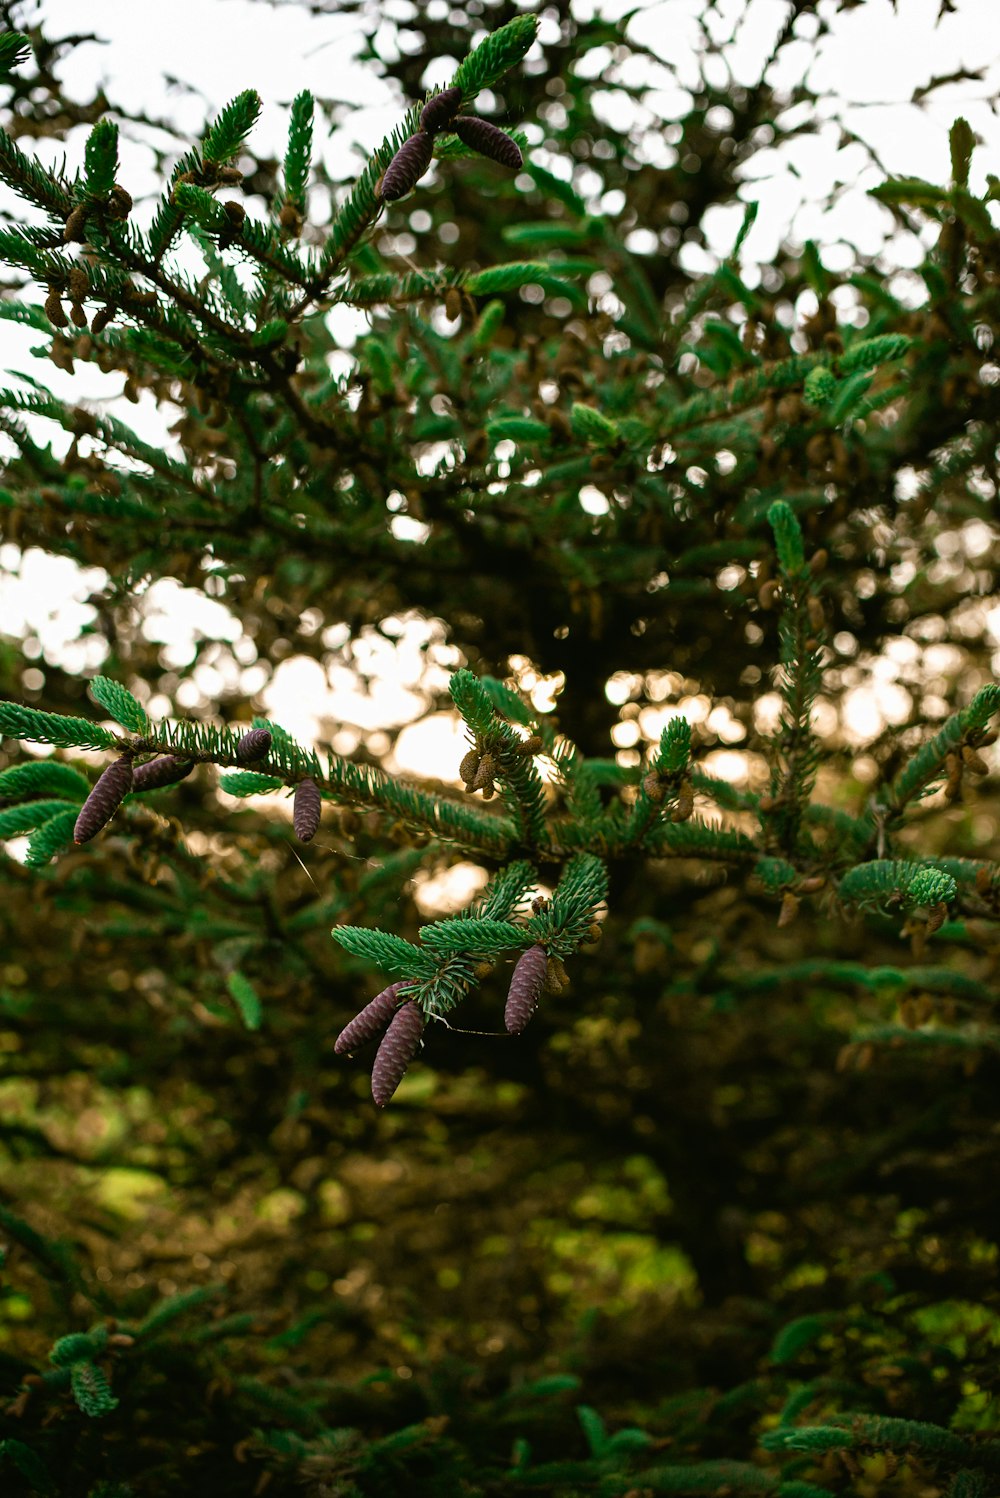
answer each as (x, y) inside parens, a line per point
(593, 426)
(227, 134)
(787, 539)
(14, 49)
(28, 1463)
(886, 882)
(15, 820)
(40, 778)
(91, 1390)
(78, 1347)
(248, 783)
(819, 386)
(502, 50)
(299, 152)
(52, 728)
(101, 158)
(246, 999)
(120, 703)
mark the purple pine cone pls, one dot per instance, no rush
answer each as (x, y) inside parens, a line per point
(438, 113)
(306, 808)
(255, 744)
(159, 772)
(407, 166)
(479, 135)
(525, 986)
(371, 1021)
(398, 1048)
(104, 800)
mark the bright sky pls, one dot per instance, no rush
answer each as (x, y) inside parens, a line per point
(869, 67)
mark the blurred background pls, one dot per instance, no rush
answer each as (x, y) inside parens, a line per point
(672, 1159)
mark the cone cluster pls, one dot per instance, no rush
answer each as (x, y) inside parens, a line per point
(371, 1021)
(441, 114)
(479, 769)
(403, 1025)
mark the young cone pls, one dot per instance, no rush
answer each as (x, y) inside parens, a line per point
(398, 1048)
(371, 1021)
(438, 113)
(104, 800)
(407, 166)
(479, 135)
(525, 986)
(306, 809)
(255, 744)
(166, 770)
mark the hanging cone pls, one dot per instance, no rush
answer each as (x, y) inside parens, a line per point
(371, 1021)
(155, 773)
(525, 986)
(306, 809)
(479, 135)
(398, 1048)
(255, 744)
(407, 166)
(104, 800)
(438, 113)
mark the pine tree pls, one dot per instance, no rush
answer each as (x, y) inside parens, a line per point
(719, 1219)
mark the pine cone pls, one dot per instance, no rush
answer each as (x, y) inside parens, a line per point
(470, 766)
(398, 1048)
(54, 309)
(438, 113)
(102, 317)
(104, 800)
(119, 202)
(306, 808)
(371, 1021)
(166, 770)
(255, 744)
(483, 778)
(525, 986)
(407, 166)
(75, 231)
(479, 135)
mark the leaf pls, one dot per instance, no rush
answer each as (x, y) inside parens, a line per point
(91, 1390)
(16, 820)
(799, 1334)
(15, 48)
(28, 723)
(912, 191)
(41, 777)
(246, 999)
(119, 702)
(77, 1347)
(593, 1429)
(385, 951)
(230, 129)
(496, 55)
(28, 1463)
(459, 935)
(248, 783)
(101, 158)
(299, 152)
